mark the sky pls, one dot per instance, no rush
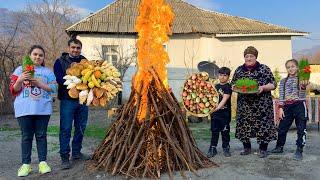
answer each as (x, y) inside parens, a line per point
(300, 15)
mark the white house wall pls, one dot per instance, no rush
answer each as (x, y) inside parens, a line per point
(92, 44)
(187, 50)
(273, 51)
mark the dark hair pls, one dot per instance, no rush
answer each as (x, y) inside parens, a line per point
(286, 79)
(251, 50)
(37, 47)
(294, 61)
(224, 70)
(75, 41)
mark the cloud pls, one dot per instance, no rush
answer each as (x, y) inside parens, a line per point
(205, 4)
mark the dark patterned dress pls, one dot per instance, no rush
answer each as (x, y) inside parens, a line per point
(255, 116)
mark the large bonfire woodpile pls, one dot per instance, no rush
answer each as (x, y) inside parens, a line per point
(150, 135)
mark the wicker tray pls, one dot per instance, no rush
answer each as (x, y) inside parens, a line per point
(200, 115)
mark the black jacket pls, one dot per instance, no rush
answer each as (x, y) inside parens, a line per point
(59, 68)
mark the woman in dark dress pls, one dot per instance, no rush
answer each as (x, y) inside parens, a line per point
(255, 116)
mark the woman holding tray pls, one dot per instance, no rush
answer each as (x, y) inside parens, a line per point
(255, 110)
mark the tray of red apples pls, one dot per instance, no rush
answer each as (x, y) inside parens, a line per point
(199, 96)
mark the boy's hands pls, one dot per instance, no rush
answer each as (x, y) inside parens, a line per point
(218, 108)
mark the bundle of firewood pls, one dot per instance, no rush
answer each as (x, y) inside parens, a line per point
(162, 143)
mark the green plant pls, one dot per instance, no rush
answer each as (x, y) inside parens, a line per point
(304, 69)
(27, 65)
(277, 77)
(246, 85)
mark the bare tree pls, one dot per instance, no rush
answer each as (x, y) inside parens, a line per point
(126, 57)
(10, 53)
(45, 23)
(42, 23)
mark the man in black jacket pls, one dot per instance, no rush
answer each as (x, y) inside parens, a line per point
(70, 109)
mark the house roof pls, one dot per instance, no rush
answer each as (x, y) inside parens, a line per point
(120, 17)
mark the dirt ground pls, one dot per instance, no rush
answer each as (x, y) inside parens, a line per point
(236, 167)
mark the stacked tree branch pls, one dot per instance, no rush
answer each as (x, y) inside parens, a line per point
(161, 143)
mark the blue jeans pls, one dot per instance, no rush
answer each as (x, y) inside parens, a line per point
(33, 125)
(72, 112)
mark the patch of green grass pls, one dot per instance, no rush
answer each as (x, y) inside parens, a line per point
(96, 132)
(53, 131)
(54, 147)
(11, 136)
(93, 131)
(201, 131)
(6, 127)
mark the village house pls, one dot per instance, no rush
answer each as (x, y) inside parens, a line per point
(198, 35)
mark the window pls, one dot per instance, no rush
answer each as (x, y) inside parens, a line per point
(165, 47)
(110, 53)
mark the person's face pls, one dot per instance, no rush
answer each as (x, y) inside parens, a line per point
(250, 59)
(292, 68)
(37, 56)
(74, 49)
(223, 78)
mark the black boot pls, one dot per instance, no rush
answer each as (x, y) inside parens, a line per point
(298, 154)
(277, 150)
(212, 152)
(245, 151)
(226, 152)
(262, 154)
(65, 164)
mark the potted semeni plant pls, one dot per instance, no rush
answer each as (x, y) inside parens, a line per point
(246, 86)
(304, 72)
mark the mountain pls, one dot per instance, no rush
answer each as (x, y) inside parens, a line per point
(313, 54)
(3, 10)
(307, 52)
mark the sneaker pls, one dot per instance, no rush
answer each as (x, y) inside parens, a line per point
(24, 170)
(245, 151)
(277, 150)
(298, 155)
(212, 152)
(262, 154)
(44, 168)
(226, 152)
(65, 164)
(81, 156)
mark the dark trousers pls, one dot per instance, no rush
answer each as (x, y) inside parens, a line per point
(71, 112)
(225, 134)
(33, 125)
(297, 112)
(220, 124)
